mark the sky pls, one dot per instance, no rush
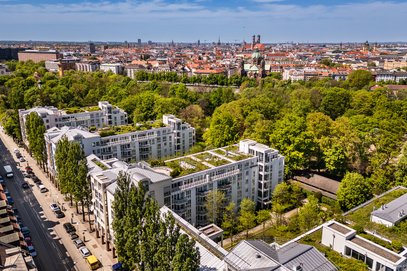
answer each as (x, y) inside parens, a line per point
(206, 20)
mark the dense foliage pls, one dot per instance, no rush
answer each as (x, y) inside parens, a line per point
(145, 239)
(323, 125)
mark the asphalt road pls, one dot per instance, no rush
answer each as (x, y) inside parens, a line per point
(52, 255)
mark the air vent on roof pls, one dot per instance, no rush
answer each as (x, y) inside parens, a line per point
(258, 256)
(298, 267)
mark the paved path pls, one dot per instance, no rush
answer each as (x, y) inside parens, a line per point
(256, 230)
(54, 196)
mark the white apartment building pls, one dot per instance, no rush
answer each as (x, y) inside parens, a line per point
(87, 66)
(344, 240)
(172, 137)
(99, 116)
(115, 68)
(250, 170)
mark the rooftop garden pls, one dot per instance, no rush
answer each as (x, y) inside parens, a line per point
(124, 129)
(343, 263)
(211, 159)
(184, 166)
(360, 219)
(73, 110)
(99, 164)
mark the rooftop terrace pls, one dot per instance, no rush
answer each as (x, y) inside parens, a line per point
(124, 129)
(205, 160)
(73, 110)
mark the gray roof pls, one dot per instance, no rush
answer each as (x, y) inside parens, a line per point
(258, 255)
(391, 211)
(309, 257)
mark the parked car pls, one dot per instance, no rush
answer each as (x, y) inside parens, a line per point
(78, 243)
(69, 227)
(74, 235)
(42, 188)
(32, 251)
(18, 155)
(25, 185)
(21, 159)
(28, 169)
(84, 252)
(35, 179)
(10, 200)
(28, 241)
(54, 207)
(118, 267)
(2, 182)
(25, 231)
(59, 214)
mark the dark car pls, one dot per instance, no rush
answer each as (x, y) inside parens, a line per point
(25, 185)
(35, 179)
(74, 235)
(69, 227)
(59, 214)
(28, 169)
(10, 200)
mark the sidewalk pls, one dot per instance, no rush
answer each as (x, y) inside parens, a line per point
(256, 230)
(54, 196)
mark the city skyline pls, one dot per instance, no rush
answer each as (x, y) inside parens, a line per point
(206, 20)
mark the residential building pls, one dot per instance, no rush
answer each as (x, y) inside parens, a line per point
(392, 213)
(250, 170)
(391, 76)
(258, 255)
(115, 68)
(89, 66)
(61, 65)
(99, 116)
(344, 240)
(392, 65)
(127, 143)
(38, 56)
(10, 53)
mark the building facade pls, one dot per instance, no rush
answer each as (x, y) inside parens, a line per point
(99, 116)
(115, 68)
(90, 66)
(173, 137)
(239, 171)
(38, 56)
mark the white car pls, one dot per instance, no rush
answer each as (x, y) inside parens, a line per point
(84, 252)
(54, 207)
(42, 188)
(21, 159)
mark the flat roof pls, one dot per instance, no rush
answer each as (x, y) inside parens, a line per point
(393, 211)
(376, 249)
(339, 228)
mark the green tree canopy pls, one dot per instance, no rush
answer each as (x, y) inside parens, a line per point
(353, 191)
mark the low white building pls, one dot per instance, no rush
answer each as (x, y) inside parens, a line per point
(294, 74)
(99, 116)
(344, 240)
(90, 66)
(392, 213)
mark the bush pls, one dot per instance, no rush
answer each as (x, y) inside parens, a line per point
(397, 245)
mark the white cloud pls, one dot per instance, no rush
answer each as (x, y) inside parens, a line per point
(161, 20)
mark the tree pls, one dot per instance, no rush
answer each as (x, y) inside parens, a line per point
(35, 130)
(247, 216)
(359, 79)
(214, 204)
(144, 238)
(287, 196)
(186, 255)
(226, 126)
(308, 215)
(262, 217)
(335, 102)
(229, 221)
(353, 191)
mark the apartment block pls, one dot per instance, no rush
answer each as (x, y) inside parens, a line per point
(248, 170)
(115, 68)
(99, 116)
(153, 140)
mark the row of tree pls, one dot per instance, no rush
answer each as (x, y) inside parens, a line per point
(145, 239)
(35, 130)
(72, 173)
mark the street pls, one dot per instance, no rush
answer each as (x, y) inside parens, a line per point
(52, 255)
